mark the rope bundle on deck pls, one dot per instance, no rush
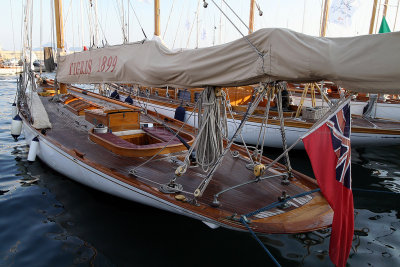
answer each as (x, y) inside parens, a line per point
(213, 125)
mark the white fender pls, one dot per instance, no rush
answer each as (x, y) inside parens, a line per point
(16, 127)
(33, 149)
(14, 111)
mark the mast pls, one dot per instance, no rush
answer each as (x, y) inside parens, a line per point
(325, 18)
(157, 17)
(251, 18)
(59, 24)
(385, 6)
(371, 25)
(60, 36)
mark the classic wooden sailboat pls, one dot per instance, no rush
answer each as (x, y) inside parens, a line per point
(146, 157)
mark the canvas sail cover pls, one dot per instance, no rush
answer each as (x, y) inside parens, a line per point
(369, 63)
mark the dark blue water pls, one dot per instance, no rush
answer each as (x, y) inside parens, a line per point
(48, 220)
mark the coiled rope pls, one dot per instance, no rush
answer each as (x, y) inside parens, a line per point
(212, 121)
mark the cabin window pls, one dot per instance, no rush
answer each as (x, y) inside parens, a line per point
(184, 95)
(196, 96)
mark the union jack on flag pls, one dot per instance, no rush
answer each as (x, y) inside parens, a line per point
(340, 126)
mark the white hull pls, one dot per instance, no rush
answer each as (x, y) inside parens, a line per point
(381, 110)
(77, 170)
(10, 71)
(250, 132)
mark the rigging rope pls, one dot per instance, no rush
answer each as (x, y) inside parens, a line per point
(261, 55)
(282, 128)
(243, 221)
(250, 109)
(169, 17)
(311, 129)
(236, 126)
(138, 20)
(191, 28)
(236, 14)
(179, 23)
(211, 117)
(264, 123)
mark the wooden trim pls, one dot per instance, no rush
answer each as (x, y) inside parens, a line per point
(140, 152)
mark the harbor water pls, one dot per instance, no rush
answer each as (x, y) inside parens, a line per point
(47, 219)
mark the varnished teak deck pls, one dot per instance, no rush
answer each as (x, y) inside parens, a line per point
(70, 133)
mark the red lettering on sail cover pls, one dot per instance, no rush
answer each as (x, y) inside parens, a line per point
(105, 64)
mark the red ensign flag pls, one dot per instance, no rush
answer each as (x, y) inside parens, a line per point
(330, 154)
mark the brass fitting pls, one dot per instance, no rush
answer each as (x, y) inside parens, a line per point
(218, 91)
(259, 169)
(180, 170)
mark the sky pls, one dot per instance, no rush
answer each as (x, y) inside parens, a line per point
(185, 23)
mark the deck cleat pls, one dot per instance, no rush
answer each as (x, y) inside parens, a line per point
(171, 188)
(283, 199)
(215, 202)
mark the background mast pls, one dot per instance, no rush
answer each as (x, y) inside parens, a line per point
(251, 18)
(60, 36)
(325, 18)
(371, 25)
(157, 17)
